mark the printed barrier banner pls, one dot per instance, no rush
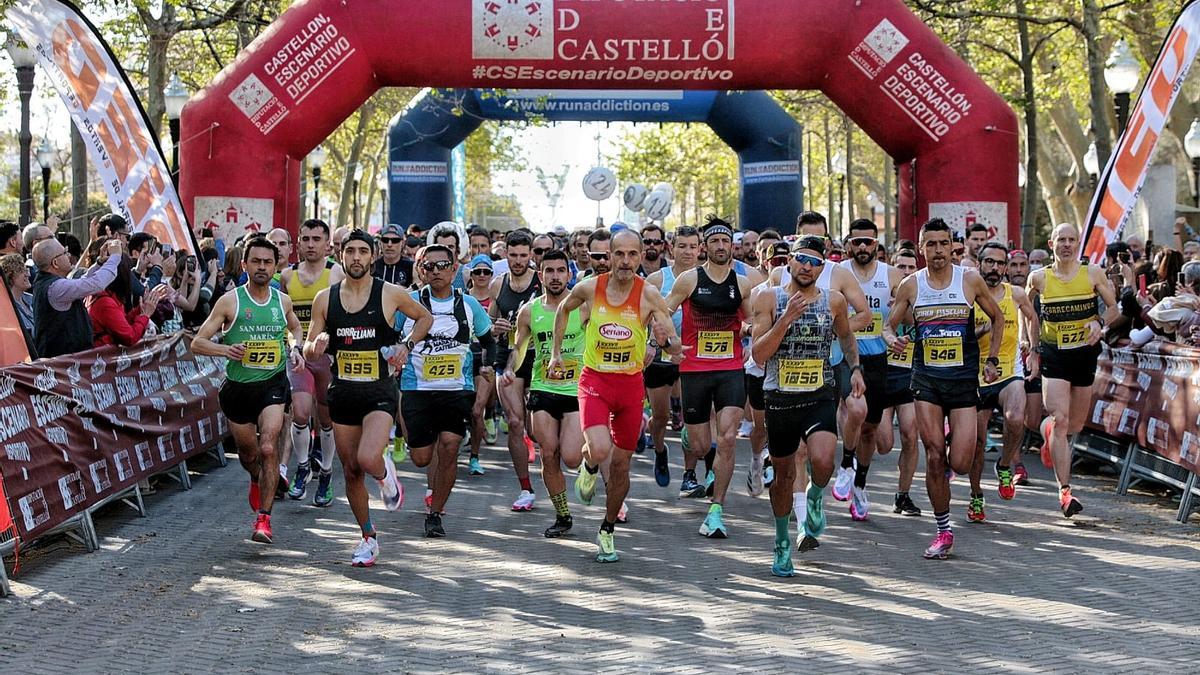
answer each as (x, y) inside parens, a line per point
(77, 429)
(120, 140)
(1151, 395)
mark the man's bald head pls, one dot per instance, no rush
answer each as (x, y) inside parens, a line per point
(44, 253)
(633, 237)
(34, 233)
(1064, 229)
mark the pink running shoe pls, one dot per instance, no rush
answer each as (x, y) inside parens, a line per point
(532, 450)
(941, 546)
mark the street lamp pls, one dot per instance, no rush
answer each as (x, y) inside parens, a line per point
(1091, 163)
(1122, 72)
(839, 170)
(24, 59)
(45, 157)
(1191, 145)
(316, 159)
(358, 174)
(174, 96)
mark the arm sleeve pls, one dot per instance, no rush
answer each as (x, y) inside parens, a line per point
(66, 291)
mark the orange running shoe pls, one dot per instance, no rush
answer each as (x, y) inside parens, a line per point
(1070, 505)
(1047, 431)
(262, 529)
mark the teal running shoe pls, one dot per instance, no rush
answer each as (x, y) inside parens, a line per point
(608, 548)
(713, 526)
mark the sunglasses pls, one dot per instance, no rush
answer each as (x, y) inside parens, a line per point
(391, 240)
(652, 242)
(777, 260)
(541, 251)
(481, 272)
(810, 260)
(598, 256)
(993, 262)
(440, 265)
(862, 241)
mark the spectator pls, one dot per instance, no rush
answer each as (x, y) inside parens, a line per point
(1137, 247)
(10, 237)
(90, 257)
(32, 234)
(1038, 258)
(146, 272)
(116, 317)
(1178, 316)
(61, 323)
(16, 277)
(1191, 251)
(392, 266)
(337, 239)
(227, 277)
(113, 225)
(1168, 265)
(74, 248)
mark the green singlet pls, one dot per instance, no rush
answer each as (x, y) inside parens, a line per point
(541, 325)
(263, 329)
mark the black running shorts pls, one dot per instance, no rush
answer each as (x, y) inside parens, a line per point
(754, 391)
(427, 414)
(557, 405)
(349, 404)
(719, 389)
(949, 394)
(661, 374)
(1077, 366)
(243, 402)
(793, 418)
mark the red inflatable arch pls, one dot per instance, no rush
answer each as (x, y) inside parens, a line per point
(246, 133)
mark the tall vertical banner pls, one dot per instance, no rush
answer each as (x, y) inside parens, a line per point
(458, 181)
(1123, 176)
(120, 140)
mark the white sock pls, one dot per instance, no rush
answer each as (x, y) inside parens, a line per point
(283, 468)
(301, 442)
(328, 450)
(800, 508)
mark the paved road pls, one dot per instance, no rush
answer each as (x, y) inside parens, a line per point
(185, 590)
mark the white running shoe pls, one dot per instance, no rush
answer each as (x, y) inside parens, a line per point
(623, 514)
(390, 489)
(744, 430)
(524, 501)
(860, 505)
(754, 476)
(843, 483)
(366, 552)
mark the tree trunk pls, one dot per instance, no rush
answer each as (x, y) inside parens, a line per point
(828, 169)
(360, 137)
(849, 172)
(1032, 192)
(1098, 99)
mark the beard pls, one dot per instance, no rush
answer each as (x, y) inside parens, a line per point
(650, 254)
(356, 271)
(864, 257)
(720, 257)
(992, 279)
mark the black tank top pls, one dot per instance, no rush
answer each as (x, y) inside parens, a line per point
(509, 302)
(356, 338)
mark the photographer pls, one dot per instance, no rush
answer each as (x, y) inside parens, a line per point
(1178, 317)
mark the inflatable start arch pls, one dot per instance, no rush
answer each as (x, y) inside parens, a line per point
(247, 132)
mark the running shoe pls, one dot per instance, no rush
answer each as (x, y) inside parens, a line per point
(814, 520)
(532, 450)
(255, 497)
(390, 489)
(713, 526)
(585, 485)
(690, 487)
(1007, 486)
(489, 430)
(662, 469)
(754, 477)
(524, 501)
(562, 525)
(324, 495)
(843, 483)
(281, 485)
(428, 502)
(1070, 505)
(641, 444)
(300, 482)
(433, 526)
(399, 450)
(366, 552)
(860, 504)
(940, 547)
(262, 529)
(1020, 475)
(710, 479)
(782, 567)
(608, 548)
(1047, 430)
(623, 515)
(315, 456)
(975, 512)
(808, 543)
(503, 422)
(904, 504)
(474, 467)
(745, 428)
(768, 469)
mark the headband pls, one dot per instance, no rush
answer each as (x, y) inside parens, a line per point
(714, 230)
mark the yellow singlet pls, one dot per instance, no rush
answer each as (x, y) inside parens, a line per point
(1067, 308)
(615, 338)
(1008, 344)
(302, 296)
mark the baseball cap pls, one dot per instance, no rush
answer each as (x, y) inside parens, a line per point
(617, 227)
(811, 243)
(737, 237)
(781, 248)
(480, 260)
(391, 230)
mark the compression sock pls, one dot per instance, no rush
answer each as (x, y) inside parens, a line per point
(782, 523)
(943, 521)
(860, 475)
(561, 508)
(328, 450)
(847, 457)
(710, 459)
(301, 442)
(368, 529)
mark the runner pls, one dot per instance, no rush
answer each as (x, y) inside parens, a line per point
(946, 358)
(757, 477)
(877, 280)
(256, 321)
(553, 395)
(899, 405)
(483, 426)
(509, 292)
(610, 387)
(714, 300)
(437, 386)
(1018, 275)
(353, 321)
(1071, 328)
(793, 328)
(302, 282)
(1008, 392)
(654, 241)
(662, 374)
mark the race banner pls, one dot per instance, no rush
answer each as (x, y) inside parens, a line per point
(1150, 396)
(77, 429)
(1123, 176)
(106, 111)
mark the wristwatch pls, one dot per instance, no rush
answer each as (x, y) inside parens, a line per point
(857, 366)
(993, 360)
(409, 344)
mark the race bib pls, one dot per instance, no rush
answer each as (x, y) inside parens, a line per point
(442, 367)
(569, 372)
(943, 352)
(358, 366)
(873, 329)
(262, 354)
(714, 344)
(304, 314)
(801, 375)
(1073, 334)
(904, 359)
(614, 360)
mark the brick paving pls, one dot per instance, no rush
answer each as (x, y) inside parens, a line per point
(184, 590)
